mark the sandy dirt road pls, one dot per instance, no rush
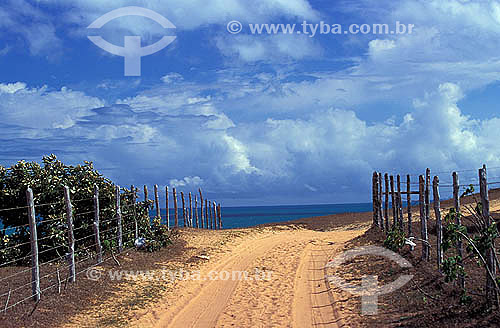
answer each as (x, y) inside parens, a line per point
(285, 286)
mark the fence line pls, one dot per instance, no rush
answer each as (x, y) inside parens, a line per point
(381, 216)
(118, 226)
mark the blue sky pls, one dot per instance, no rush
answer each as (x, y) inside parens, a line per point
(254, 119)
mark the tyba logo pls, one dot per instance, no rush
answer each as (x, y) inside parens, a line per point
(132, 50)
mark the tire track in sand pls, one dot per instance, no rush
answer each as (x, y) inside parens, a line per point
(204, 309)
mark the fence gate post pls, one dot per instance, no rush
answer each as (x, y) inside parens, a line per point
(97, 237)
(393, 200)
(119, 220)
(458, 221)
(35, 269)
(71, 238)
(408, 201)
(439, 224)
(423, 220)
(491, 292)
(400, 204)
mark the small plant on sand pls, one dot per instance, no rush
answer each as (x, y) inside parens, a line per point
(395, 239)
(477, 246)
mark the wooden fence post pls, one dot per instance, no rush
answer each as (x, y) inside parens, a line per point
(196, 211)
(211, 215)
(400, 204)
(176, 209)
(206, 214)
(380, 204)
(427, 194)
(168, 210)
(423, 220)
(394, 205)
(157, 203)
(97, 236)
(35, 268)
(190, 210)
(215, 215)
(134, 199)
(386, 205)
(71, 237)
(219, 215)
(439, 224)
(458, 221)
(146, 196)
(201, 207)
(491, 292)
(374, 197)
(408, 200)
(119, 220)
(183, 209)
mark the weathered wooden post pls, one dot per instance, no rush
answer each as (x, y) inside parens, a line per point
(220, 216)
(168, 209)
(35, 268)
(119, 220)
(423, 220)
(439, 224)
(201, 207)
(380, 205)
(491, 292)
(374, 197)
(428, 194)
(408, 200)
(176, 210)
(190, 210)
(211, 215)
(386, 205)
(206, 214)
(146, 196)
(134, 199)
(394, 205)
(400, 204)
(196, 211)
(71, 238)
(215, 215)
(458, 221)
(97, 236)
(183, 209)
(157, 203)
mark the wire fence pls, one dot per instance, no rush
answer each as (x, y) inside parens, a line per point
(49, 252)
(388, 191)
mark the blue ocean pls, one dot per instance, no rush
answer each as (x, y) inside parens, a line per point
(249, 216)
(242, 217)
